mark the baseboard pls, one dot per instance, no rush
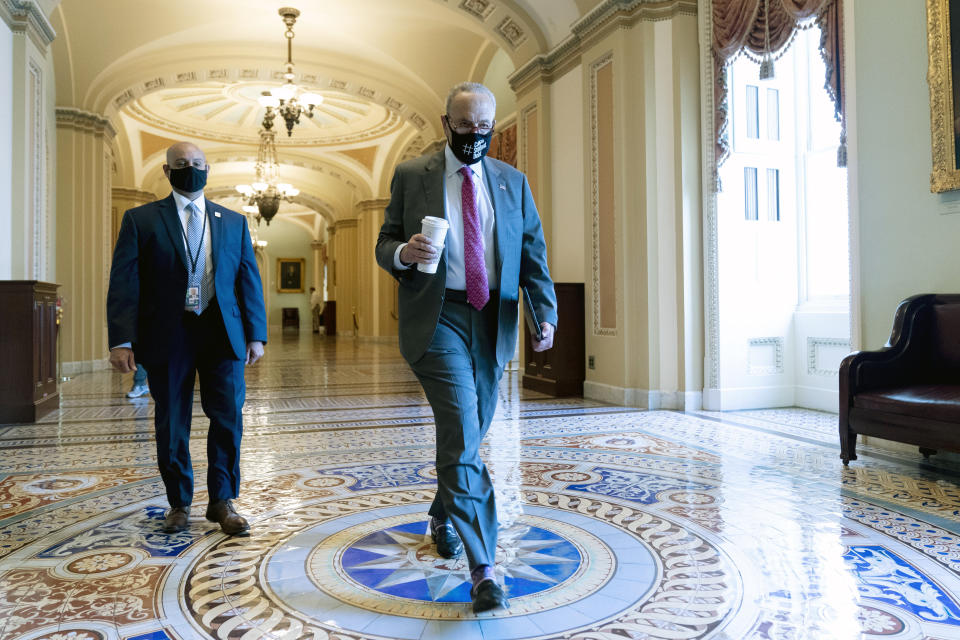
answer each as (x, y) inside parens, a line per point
(819, 399)
(748, 398)
(643, 398)
(83, 366)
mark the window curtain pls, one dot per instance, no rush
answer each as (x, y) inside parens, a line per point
(741, 26)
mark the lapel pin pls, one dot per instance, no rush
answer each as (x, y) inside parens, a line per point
(503, 187)
(216, 213)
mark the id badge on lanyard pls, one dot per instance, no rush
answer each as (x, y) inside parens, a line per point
(192, 300)
(192, 303)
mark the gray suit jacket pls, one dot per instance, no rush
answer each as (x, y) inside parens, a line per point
(417, 191)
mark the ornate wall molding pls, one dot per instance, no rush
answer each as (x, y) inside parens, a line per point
(373, 204)
(37, 164)
(599, 22)
(708, 162)
(388, 125)
(397, 111)
(128, 193)
(24, 16)
(814, 360)
(599, 328)
(85, 121)
(758, 347)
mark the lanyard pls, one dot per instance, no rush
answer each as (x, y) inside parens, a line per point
(193, 259)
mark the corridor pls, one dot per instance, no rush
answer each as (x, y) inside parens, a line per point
(618, 523)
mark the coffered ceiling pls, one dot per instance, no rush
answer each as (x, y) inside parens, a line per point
(193, 69)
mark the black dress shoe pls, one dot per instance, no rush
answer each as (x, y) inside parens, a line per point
(231, 522)
(487, 596)
(176, 519)
(445, 537)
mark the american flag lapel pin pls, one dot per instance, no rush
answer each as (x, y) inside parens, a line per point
(503, 187)
(216, 213)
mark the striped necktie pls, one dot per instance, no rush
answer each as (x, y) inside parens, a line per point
(195, 250)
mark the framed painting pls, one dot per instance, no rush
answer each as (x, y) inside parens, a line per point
(290, 273)
(943, 48)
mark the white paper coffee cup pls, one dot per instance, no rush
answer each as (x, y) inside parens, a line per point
(436, 230)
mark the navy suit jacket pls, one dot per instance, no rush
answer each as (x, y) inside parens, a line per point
(417, 191)
(148, 281)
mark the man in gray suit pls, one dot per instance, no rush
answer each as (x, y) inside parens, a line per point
(458, 326)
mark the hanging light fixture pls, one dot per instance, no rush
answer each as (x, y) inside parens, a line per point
(289, 100)
(264, 195)
(766, 64)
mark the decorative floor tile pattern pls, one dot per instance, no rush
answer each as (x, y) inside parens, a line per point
(618, 523)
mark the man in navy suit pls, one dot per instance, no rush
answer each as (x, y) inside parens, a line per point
(458, 326)
(185, 298)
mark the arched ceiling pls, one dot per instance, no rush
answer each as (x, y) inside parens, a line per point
(191, 69)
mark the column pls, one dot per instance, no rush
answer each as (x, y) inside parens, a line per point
(377, 304)
(27, 122)
(84, 235)
(346, 276)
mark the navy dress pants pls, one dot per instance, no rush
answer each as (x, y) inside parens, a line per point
(459, 374)
(204, 351)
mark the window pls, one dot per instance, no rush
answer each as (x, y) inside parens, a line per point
(773, 195)
(753, 111)
(773, 114)
(750, 192)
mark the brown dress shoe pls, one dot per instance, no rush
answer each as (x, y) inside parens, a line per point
(176, 519)
(231, 522)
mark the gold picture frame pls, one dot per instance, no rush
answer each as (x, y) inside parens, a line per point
(943, 30)
(290, 274)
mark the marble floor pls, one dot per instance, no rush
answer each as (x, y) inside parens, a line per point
(617, 523)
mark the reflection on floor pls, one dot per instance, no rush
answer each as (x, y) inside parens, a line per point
(617, 523)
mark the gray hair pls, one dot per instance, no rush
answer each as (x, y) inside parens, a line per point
(471, 87)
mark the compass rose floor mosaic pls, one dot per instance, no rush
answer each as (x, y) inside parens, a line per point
(618, 524)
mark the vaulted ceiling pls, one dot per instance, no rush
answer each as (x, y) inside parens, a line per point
(192, 69)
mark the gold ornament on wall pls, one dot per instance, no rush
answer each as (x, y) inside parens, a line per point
(943, 33)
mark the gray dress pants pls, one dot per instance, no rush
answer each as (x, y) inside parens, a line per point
(459, 374)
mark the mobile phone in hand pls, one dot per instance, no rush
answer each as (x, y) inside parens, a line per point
(533, 322)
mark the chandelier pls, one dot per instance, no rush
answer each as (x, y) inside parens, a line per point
(290, 101)
(264, 195)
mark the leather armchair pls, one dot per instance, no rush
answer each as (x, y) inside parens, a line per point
(909, 391)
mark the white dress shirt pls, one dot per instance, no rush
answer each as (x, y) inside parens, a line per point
(453, 210)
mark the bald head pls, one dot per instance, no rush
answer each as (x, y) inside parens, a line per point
(183, 154)
(186, 160)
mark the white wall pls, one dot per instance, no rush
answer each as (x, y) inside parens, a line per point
(566, 247)
(6, 151)
(908, 236)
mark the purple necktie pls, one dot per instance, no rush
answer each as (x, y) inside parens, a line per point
(474, 266)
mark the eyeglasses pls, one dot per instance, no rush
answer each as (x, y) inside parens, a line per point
(465, 126)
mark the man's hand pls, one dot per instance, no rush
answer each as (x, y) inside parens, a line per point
(122, 360)
(542, 345)
(419, 248)
(254, 351)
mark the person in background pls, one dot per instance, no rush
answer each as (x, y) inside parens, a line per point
(316, 308)
(139, 383)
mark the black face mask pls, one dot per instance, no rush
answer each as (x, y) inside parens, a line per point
(469, 147)
(188, 179)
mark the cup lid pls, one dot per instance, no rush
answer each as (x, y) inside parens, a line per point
(439, 222)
